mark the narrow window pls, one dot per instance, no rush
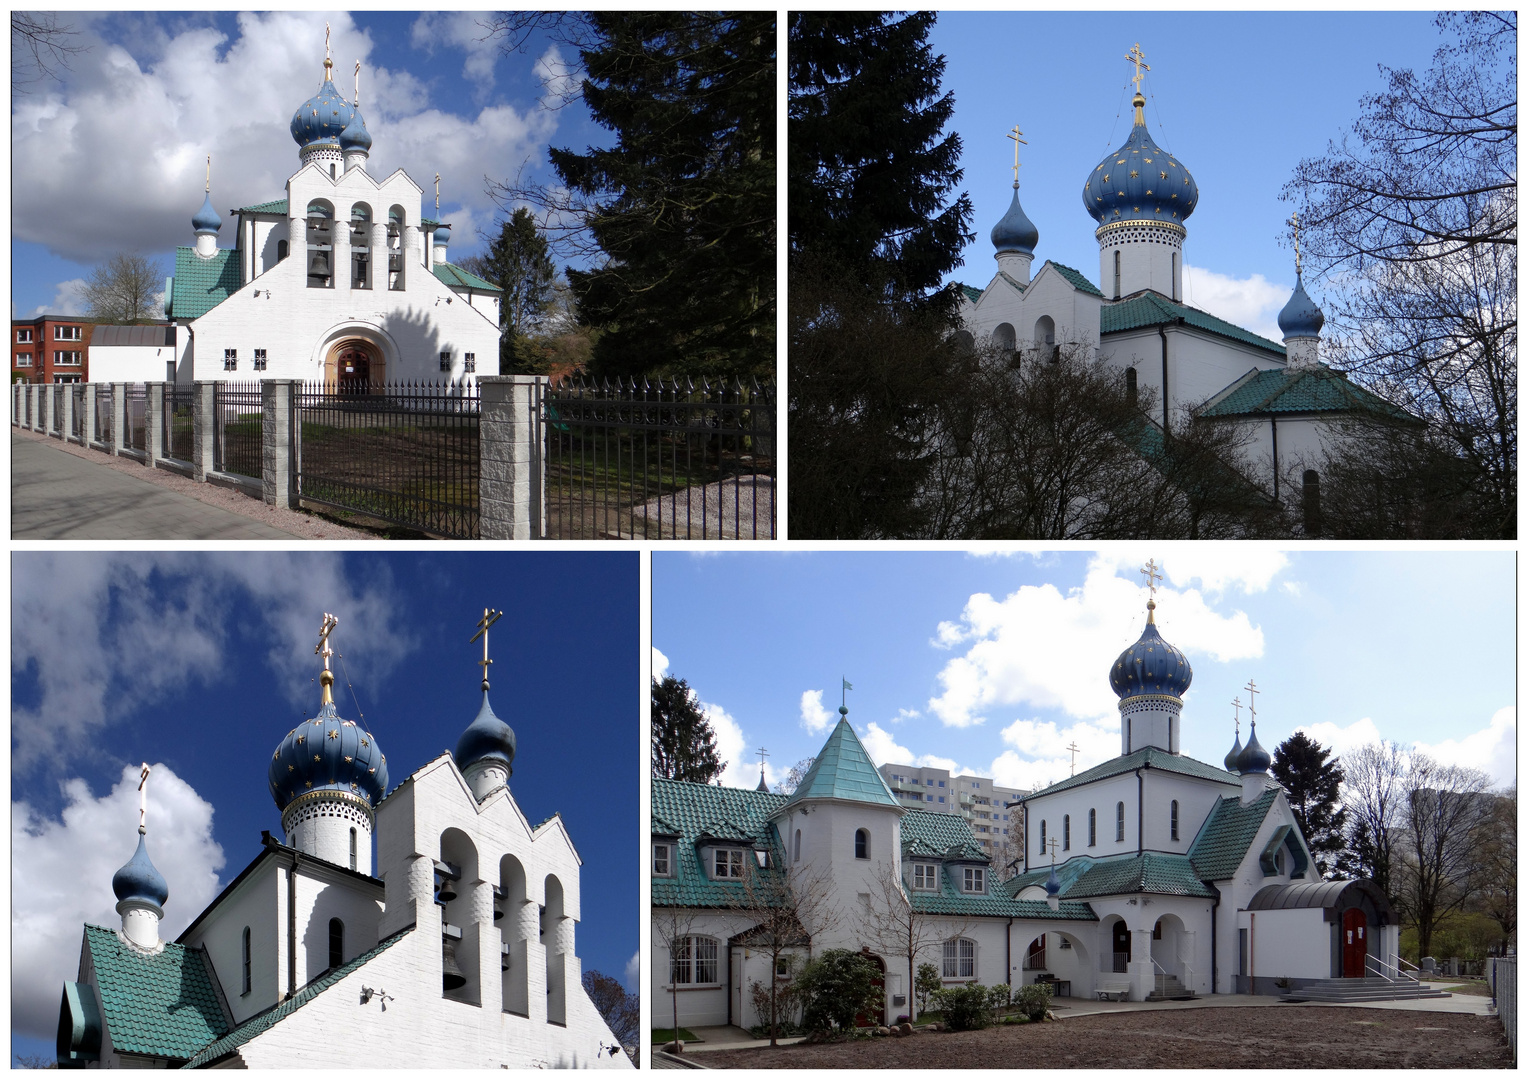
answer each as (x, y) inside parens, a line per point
(1116, 275)
(796, 854)
(246, 961)
(260, 366)
(1175, 819)
(1175, 275)
(1066, 832)
(469, 363)
(352, 831)
(230, 359)
(1092, 827)
(1130, 386)
(281, 250)
(1042, 836)
(445, 361)
(1119, 821)
(861, 844)
(1310, 497)
(336, 943)
(976, 880)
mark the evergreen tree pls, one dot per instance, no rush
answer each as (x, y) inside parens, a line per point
(683, 206)
(517, 262)
(1313, 783)
(684, 746)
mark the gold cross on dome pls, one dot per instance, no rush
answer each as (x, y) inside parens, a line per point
(1074, 748)
(1138, 58)
(1237, 702)
(437, 195)
(323, 649)
(1252, 690)
(1294, 219)
(490, 616)
(1153, 575)
(358, 83)
(209, 189)
(1015, 135)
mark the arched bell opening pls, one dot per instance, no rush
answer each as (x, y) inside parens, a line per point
(456, 880)
(516, 917)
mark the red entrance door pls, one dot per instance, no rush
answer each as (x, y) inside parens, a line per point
(355, 370)
(867, 1019)
(1354, 943)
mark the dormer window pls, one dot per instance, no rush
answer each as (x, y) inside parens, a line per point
(728, 863)
(975, 880)
(925, 876)
(663, 860)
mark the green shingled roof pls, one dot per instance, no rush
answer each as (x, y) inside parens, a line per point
(972, 294)
(1149, 872)
(1076, 278)
(843, 770)
(202, 284)
(1226, 835)
(458, 278)
(162, 1005)
(1153, 309)
(1312, 389)
(271, 1017)
(1149, 758)
(692, 811)
(275, 206)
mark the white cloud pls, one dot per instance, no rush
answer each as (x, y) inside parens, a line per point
(633, 971)
(1252, 303)
(905, 714)
(1214, 567)
(660, 665)
(61, 875)
(462, 30)
(1492, 749)
(947, 635)
(883, 749)
(814, 717)
(741, 766)
(1038, 648)
(69, 299)
(1013, 771)
(1343, 740)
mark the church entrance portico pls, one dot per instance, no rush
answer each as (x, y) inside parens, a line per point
(352, 366)
(1355, 943)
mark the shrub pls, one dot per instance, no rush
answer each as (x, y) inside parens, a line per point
(967, 1008)
(835, 988)
(1034, 1000)
(787, 1007)
(927, 984)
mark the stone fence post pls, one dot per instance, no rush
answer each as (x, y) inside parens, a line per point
(34, 394)
(204, 431)
(88, 425)
(120, 435)
(277, 476)
(68, 432)
(153, 442)
(49, 394)
(512, 473)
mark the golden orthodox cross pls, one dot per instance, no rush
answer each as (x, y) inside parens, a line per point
(358, 83)
(437, 195)
(1138, 58)
(143, 799)
(1015, 136)
(1294, 219)
(328, 59)
(1252, 690)
(763, 753)
(1051, 843)
(1237, 702)
(209, 172)
(1152, 576)
(323, 648)
(490, 616)
(1074, 748)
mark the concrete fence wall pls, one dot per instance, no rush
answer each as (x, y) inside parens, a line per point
(1503, 973)
(512, 476)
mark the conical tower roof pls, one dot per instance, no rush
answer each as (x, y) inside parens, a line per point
(843, 770)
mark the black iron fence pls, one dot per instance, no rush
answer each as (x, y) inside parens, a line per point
(104, 413)
(236, 406)
(179, 437)
(58, 410)
(406, 453)
(660, 460)
(77, 425)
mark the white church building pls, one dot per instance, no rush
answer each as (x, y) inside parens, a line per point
(343, 281)
(1136, 320)
(457, 950)
(1150, 876)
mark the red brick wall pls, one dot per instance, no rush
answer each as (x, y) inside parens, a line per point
(43, 346)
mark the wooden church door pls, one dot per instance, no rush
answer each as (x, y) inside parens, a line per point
(1354, 943)
(355, 370)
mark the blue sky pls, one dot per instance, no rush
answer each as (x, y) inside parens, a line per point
(200, 663)
(1238, 98)
(992, 664)
(114, 158)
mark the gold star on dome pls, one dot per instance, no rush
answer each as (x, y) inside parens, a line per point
(1121, 161)
(317, 757)
(307, 784)
(352, 785)
(334, 733)
(291, 768)
(1148, 191)
(1148, 161)
(1106, 178)
(302, 738)
(1163, 174)
(1134, 174)
(349, 758)
(370, 771)
(364, 744)
(276, 755)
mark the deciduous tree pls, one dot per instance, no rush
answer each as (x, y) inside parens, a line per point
(124, 289)
(42, 44)
(893, 923)
(1313, 780)
(1372, 791)
(621, 1009)
(1442, 812)
(787, 905)
(684, 746)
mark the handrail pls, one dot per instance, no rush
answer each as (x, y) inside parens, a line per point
(1380, 966)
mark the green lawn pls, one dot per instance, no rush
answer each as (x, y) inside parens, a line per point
(1476, 989)
(666, 1035)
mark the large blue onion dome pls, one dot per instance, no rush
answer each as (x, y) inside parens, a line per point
(206, 219)
(1140, 182)
(328, 753)
(324, 116)
(139, 880)
(1151, 665)
(1253, 758)
(1015, 232)
(1301, 318)
(487, 738)
(355, 136)
(1234, 756)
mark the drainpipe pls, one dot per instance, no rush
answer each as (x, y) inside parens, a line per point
(1162, 332)
(1026, 836)
(1273, 427)
(292, 928)
(1214, 953)
(1008, 951)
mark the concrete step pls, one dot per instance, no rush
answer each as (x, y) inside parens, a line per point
(1357, 990)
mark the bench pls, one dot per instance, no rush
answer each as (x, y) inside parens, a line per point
(1107, 987)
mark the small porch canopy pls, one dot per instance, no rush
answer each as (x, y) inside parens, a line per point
(1331, 896)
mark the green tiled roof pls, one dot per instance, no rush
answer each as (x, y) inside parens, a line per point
(689, 811)
(1300, 390)
(972, 294)
(456, 277)
(1153, 309)
(427, 221)
(1226, 835)
(948, 837)
(276, 206)
(271, 1017)
(1077, 279)
(944, 835)
(1149, 872)
(843, 770)
(1149, 758)
(202, 284)
(162, 1005)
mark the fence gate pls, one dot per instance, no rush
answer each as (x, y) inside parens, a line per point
(663, 460)
(236, 427)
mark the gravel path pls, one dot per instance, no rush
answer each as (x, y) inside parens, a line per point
(1277, 1037)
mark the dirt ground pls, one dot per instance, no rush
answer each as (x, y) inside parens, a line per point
(1305, 1036)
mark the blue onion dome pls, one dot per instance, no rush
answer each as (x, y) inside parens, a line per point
(139, 880)
(1052, 883)
(1253, 758)
(486, 739)
(323, 117)
(1231, 758)
(1140, 182)
(1151, 665)
(328, 753)
(1015, 232)
(206, 219)
(1301, 318)
(355, 136)
(442, 234)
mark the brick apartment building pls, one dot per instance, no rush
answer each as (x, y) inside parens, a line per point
(51, 349)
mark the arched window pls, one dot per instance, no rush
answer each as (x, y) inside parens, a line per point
(1119, 821)
(1045, 336)
(796, 854)
(1116, 274)
(1310, 498)
(862, 843)
(352, 848)
(1130, 386)
(320, 233)
(246, 961)
(692, 961)
(1042, 836)
(960, 959)
(396, 219)
(1092, 827)
(1004, 338)
(1175, 819)
(336, 943)
(281, 250)
(1066, 832)
(360, 246)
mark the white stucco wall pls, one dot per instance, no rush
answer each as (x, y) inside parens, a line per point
(1102, 796)
(130, 363)
(1293, 944)
(1199, 364)
(256, 903)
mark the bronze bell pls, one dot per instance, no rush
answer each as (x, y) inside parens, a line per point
(452, 977)
(447, 891)
(318, 266)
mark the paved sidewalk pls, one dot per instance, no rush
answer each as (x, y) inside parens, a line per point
(56, 495)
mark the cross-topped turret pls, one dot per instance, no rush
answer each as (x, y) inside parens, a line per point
(1138, 58)
(1016, 136)
(490, 616)
(1252, 690)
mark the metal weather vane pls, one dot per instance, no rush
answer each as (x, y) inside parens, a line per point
(490, 616)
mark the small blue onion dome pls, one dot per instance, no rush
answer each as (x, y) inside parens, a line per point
(323, 117)
(1301, 318)
(328, 753)
(1150, 666)
(1015, 232)
(1231, 758)
(1253, 758)
(1140, 182)
(139, 880)
(442, 234)
(1052, 883)
(206, 219)
(355, 136)
(486, 739)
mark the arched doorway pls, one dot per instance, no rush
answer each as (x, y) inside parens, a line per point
(1167, 944)
(875, 1017)
(353, 367)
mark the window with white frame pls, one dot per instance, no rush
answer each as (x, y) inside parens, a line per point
(663, 860)
(1042, 836)
(230, 359)
(23, 359)
(469, 362)
(959, 959)
(24, 335)
(68, 333)
(259, 359)
(692, 961)
(925, 876)
(445, 360)
(67, 358)
(975, 880)
(728, 863)
(1119, 821)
